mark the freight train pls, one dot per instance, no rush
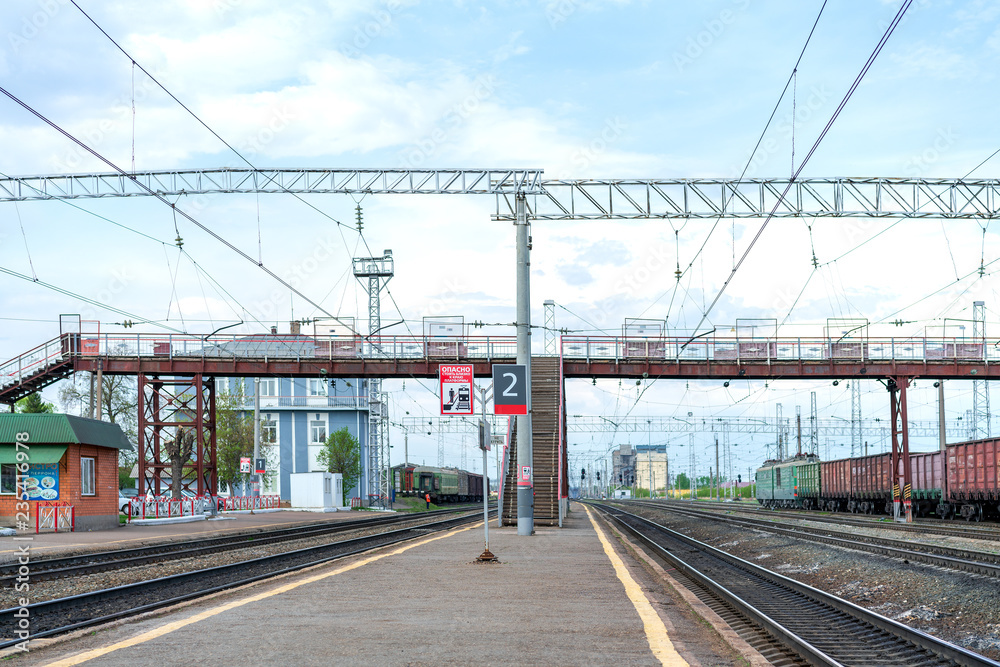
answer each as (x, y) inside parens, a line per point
(444, 485)
(963, 481)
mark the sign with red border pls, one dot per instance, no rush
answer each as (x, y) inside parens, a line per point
(455, 387)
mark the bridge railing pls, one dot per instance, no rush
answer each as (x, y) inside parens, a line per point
(36, 360)
(297, 347)
(767, 350)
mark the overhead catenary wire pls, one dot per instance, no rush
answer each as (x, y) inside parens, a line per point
(136, 318)
(159, 196)
(836, 113)
(240, 155)
(749, 161)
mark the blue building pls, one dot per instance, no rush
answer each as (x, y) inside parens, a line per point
(297, 415)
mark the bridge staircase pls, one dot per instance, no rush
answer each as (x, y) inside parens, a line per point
(546, 400)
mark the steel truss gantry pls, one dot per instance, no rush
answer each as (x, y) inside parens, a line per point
(178, 182)
(626, 199)
(581, 199)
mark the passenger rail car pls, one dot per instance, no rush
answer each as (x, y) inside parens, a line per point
(443, 485)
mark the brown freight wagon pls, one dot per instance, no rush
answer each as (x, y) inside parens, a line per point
(926, 477)
(972, 478)
(835, 485)
(871, 479)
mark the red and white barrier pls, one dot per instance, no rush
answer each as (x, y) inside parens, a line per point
(161, 507)
(53, 516)
(249, 502)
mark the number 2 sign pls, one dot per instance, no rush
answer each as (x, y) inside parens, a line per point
(510, 389)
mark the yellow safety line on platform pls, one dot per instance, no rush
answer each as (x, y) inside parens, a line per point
(208, 613)
(656, 632)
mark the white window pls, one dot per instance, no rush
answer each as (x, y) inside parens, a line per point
(8, 478)
(221, 386)
(318, 387)
(268, 387)
(268, 430)
(87, 476)
(317, 430)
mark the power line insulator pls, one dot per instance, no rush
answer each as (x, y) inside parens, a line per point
(358, 216)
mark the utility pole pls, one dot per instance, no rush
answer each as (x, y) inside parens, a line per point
(798, 429)
(525, 479)
(980, 388)
(258, 481)
(813, 430)
(942, 440)
(691, 482)
(716, 478)
(780, 450)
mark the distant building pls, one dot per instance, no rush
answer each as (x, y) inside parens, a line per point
(622, 465)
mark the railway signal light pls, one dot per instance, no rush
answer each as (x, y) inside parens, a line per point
(583, 473)
(598, 476)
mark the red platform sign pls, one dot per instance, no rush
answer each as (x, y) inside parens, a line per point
(455, 382)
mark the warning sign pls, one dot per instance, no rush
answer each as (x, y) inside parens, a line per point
(245, 465)
(456, 389)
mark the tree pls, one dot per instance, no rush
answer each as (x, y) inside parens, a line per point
(233, 437)
(33, 404)
(119, 405)
(341, 453)
(179, 451)
(682, 481)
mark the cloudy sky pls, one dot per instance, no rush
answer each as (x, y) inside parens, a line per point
(579, 88)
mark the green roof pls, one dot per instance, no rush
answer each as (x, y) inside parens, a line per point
(58, 429)
(33, 454)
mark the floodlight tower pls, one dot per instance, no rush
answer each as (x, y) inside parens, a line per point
(378, 271)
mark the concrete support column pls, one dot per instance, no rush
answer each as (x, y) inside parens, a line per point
(525, 474)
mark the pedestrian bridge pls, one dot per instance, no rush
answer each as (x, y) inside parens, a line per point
(707, 357)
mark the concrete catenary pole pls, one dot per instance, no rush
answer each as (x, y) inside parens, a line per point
(258, 482)
(715, 478)
(525, 475)
(943, 442)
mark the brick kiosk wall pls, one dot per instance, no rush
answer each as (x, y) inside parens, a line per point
(97, 512)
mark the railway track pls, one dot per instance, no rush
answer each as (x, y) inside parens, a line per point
(821, 629)
(102, 561)
(965, 560)
(924, 525)
(88, 609)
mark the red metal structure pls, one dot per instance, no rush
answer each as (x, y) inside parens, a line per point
(169, 406)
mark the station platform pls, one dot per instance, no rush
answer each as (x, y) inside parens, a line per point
(52, 545)
(565, 596)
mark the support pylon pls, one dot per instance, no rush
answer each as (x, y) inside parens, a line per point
(900, 461)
